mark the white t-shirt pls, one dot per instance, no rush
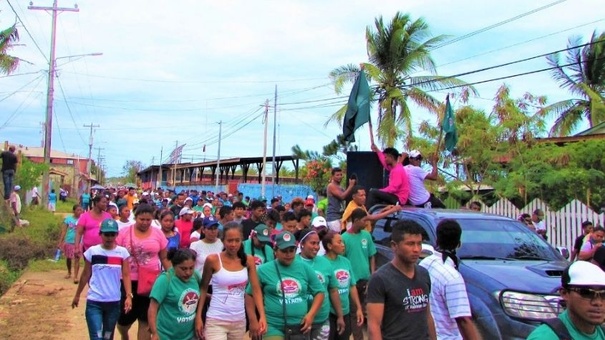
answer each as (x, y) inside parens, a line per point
(448, 298)
(539, 225)
(204, 249)
(418, 193)
(104, 284)
(15, 198)
(195, 235)
(122, 225)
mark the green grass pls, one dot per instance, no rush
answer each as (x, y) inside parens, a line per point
(66, 207)
(30, 246)
(45, 265)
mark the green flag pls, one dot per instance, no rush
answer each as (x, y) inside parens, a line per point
(449, 126)
(358, 107)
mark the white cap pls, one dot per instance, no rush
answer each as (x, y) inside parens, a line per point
(319, 221)
(17, 187)
(188, 199)
(209, 205)
(415, 154)
(310, 197)
(186, 210)
(583, 273)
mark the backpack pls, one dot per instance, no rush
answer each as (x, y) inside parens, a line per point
(559, 328)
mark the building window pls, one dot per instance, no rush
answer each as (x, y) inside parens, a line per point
(70, 162)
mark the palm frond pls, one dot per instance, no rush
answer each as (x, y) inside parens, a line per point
(337, 116)
(343, 75)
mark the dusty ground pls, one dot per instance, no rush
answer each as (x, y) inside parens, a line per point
(38, 306)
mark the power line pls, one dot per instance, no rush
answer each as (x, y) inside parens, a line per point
(69, 109)
(16, 112)
(26, 30)
(471, 34)
(502, 65)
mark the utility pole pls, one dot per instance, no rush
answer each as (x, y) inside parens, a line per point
(218, 158)
(264, 172)
(48, 127)
(98, 163)
(89, 165)
(174, 160)
(42, 130)
(274, 173)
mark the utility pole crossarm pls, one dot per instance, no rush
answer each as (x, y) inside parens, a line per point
(59, 9)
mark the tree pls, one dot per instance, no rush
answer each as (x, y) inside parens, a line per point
(585, 79)
(130, 170)
(395, 51)
(28, 174)
(7, 38)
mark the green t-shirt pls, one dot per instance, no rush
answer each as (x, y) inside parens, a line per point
(299, 280)
(343, 272)
(323, 205)
(198, 208)
(178, 302)
(260, 255)
(544, 332)
(325, 274)
(358, 249)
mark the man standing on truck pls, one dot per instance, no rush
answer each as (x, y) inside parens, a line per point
(583, 289)
(336, 199)
(450, 307)
(398, 292)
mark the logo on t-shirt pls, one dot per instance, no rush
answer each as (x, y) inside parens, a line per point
(257, 260)
(290, 286)
(237, 289)
(343, 277)
(364, 243)
(320, 277)
(188, 301)
(416, 300)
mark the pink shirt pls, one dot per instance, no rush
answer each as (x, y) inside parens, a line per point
(91, 226)
(144, 251)
(399, 183)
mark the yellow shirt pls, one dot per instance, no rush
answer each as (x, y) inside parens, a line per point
(346, 224)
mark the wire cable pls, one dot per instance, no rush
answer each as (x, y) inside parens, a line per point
(69, 110)
(27, 30)
(16, 112)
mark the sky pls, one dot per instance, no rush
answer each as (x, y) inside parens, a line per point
(170, 71)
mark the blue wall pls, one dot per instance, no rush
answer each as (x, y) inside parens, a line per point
(287, 191)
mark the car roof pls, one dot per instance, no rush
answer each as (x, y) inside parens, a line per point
(438, 214)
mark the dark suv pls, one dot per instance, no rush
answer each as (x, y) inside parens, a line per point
(512, 275)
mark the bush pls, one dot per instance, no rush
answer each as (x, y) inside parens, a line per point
(17, 251)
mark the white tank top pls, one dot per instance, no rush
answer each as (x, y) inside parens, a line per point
(228, 289)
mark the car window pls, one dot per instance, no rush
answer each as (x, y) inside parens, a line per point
(502, 239)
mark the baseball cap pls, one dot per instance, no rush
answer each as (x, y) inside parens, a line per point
(109, 226)
(112, 204)
(319, 221)
(539, 213)
(415, 154)
(17, 187)
(186, 210)
(188, 199)
(284, 240)
(310, 197)
(262, 198)
(209, 222)
(309, 202)
(582, 273)
(262, 233)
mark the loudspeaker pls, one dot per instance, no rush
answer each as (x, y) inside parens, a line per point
(367, 167)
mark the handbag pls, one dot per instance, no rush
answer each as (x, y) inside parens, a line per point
(147, 276)
(291, 332)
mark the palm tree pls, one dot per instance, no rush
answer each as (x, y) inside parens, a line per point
(585, 79)
(395, 51)
(7, 37)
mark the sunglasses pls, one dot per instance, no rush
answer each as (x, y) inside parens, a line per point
(589, 294)
(110, 234)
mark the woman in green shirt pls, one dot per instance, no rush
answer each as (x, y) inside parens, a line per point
(343, 271)
(309, 246)
(286, 284)
(257, 245)
(174, 298)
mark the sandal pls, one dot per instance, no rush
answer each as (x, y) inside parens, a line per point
(76, 282)
(68, 276)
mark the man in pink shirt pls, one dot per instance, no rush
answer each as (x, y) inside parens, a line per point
(398, 189)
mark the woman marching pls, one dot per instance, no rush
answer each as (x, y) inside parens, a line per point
(229, 272)
(343, 271)
(294, 281)
(67, 241)
(257, 245)
(147, 247)
(166, 218)
(103, 266)
(309, 246)
(174, 298)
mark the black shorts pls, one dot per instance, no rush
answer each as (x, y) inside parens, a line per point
(140, 305)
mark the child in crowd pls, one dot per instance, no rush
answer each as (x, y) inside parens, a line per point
(67, 241)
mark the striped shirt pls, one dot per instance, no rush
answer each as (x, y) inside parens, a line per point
(448, 296)
(106, 264)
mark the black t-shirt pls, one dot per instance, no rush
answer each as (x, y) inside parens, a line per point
(578, 244)
(9, 160)
(405, 302)
(248, 225)
(176, 209)
(599, 257)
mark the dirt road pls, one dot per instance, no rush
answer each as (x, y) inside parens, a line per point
(38, 306)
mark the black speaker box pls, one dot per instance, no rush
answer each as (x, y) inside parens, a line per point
(366, 166)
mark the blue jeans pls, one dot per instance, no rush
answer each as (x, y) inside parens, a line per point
(7, 178)
(101, 318)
